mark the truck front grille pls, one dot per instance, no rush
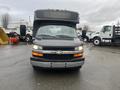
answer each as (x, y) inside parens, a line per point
(58, 57)
(59, 48)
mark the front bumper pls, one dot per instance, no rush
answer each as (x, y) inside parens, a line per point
(64, 64)
(56, 52)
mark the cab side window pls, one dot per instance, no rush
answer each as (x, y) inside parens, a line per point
(107, 29)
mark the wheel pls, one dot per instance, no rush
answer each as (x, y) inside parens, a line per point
(76, 68)
(96, 41)
(28, 38)
(35, 68)
(86, 39)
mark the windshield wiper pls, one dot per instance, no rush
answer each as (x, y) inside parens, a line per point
(64, 36)
(45, 36)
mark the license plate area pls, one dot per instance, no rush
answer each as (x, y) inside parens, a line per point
(58, 64)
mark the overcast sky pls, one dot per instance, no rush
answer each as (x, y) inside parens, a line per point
(93, 12)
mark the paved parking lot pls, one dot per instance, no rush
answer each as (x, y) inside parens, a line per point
(100, 72)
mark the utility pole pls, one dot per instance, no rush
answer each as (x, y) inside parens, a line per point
(29, 21)
(118, 23)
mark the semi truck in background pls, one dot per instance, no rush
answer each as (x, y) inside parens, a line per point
(56, 44)
(109, 35)
(86, 36)
(24, 32)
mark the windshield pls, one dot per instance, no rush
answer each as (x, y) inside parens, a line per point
(56, 31)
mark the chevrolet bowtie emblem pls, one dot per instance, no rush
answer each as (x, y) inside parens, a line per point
(59, 52)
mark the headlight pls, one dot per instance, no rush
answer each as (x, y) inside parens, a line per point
(36, 47)
(80, 48)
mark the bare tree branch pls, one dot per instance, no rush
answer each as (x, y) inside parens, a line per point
(86, 27)
(5, 20)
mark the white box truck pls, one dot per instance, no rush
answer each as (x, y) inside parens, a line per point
(108, 35)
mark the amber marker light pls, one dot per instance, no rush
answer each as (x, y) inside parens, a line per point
(37, 54)
(78, 55)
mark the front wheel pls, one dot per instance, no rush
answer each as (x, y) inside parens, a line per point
(96, 41)
(35, 68)
(76, 68)
(86, 39)
(28, 38)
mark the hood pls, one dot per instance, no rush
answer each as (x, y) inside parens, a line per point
(58, 43)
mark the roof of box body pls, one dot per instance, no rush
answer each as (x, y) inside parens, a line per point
(56, 15)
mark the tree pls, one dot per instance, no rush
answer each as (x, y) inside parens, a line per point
(5, 20)
(86, 27)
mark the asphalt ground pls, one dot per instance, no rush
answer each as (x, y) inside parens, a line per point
(101, 71)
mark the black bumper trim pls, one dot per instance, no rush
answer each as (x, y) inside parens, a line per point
(47, 60)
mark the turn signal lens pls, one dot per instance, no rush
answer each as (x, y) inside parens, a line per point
(37, 54)
(78, 55)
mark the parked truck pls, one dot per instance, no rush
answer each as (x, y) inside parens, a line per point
(86, 37)
(25, 33)
(56, 44)
(109, 35)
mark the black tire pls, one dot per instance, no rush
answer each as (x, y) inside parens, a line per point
(28, 38)
(35, 68)
(86, 39)
(76, 68)
(97, 41)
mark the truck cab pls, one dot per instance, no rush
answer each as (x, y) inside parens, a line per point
(107, 35)
(56, 44)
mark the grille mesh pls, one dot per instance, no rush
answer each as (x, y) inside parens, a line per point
(58, 57)
(59, 48)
